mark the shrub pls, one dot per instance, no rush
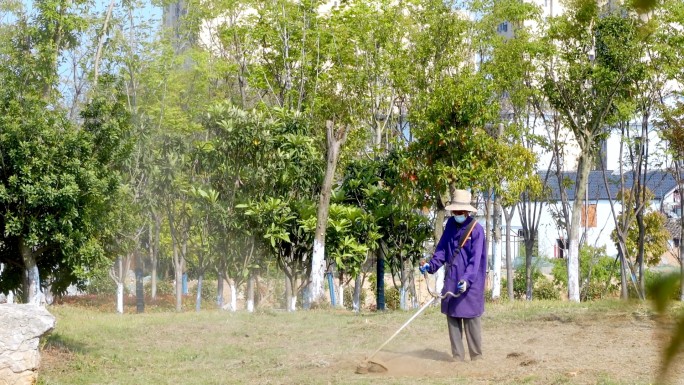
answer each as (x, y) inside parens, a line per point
(349, 298)
(504, 292)
(650, 278)
(209, 290)
(392, 299)
(520, 281)
(101, 283)
(163, 288)
(592, 291)
(545, 289)
(595, 266)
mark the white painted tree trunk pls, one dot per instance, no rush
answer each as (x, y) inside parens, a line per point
(316, 287)
(219, 292)
(340, 295)
(31, 274)
(496, 242)
(583, 168)
(403, 291)
(120, 297)
(496, 270)
(334, 142)
(233, 295)
(356, 298)
(292, 303)
(198, 295)
(250, 294)
(573, 270)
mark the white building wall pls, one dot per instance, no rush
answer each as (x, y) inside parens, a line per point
(549, 233)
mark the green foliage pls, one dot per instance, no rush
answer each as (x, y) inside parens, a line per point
(101, 283)
(662, 288)
(58, 186)
(350, 236)
(651, 282)
(164, 287)
(392, 298)
(520, 282)
(209, 291)
(655, 239)
(544, 289)
(596, 268)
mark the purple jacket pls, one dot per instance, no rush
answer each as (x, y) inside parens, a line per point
(469, 265)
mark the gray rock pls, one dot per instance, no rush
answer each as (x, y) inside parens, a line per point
(22, 327)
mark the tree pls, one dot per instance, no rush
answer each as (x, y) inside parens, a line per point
(592, 63)
(671, 39)
(652, 239)
(58, 186)
(284, 217)
(59, 181)
(509, 61)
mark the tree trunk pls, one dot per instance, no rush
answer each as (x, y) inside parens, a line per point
(412, 288)
(139, 290)
(154, 254)
(316, 286)
(440, 214)
(509, 259)
(380, 282)
(624, 292)
(583, 168)
(680, 185)
(340, 293)
(120, 297)
(641, 250)
(496, 246)
(403, 303)
(489, 245)
(31, 274)
(178, 272)
(219, 292)
(198, 297)
(356, 302)
(290, 295)
(233, 295)
(250, 293)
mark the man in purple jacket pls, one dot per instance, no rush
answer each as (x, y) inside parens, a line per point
(464, 275)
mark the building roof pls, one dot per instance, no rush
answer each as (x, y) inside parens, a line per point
(672, 226)
(659, 182)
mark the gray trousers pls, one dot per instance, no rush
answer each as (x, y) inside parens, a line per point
(473, 332)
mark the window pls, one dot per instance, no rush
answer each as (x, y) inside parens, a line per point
(503, 27)
(589, 216)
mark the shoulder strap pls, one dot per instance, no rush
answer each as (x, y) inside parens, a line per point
(465, 235)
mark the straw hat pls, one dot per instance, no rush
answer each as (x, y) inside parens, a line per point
(461, 202)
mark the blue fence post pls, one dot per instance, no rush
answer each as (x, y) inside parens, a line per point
(331, 287)
(185, 283)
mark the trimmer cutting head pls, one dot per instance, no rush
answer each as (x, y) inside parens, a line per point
(372, 366)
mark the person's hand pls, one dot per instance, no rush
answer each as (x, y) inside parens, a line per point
(462, 286)
(424, 267)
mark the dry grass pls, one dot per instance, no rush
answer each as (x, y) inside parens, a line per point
(525, 343)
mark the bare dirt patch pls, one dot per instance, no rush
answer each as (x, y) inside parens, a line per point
(591, 348)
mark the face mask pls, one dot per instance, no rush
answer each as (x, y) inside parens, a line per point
(460, 218)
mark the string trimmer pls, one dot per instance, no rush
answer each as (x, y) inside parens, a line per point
(376, 366)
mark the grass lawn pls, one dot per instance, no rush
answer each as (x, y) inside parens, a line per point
(607, 342)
